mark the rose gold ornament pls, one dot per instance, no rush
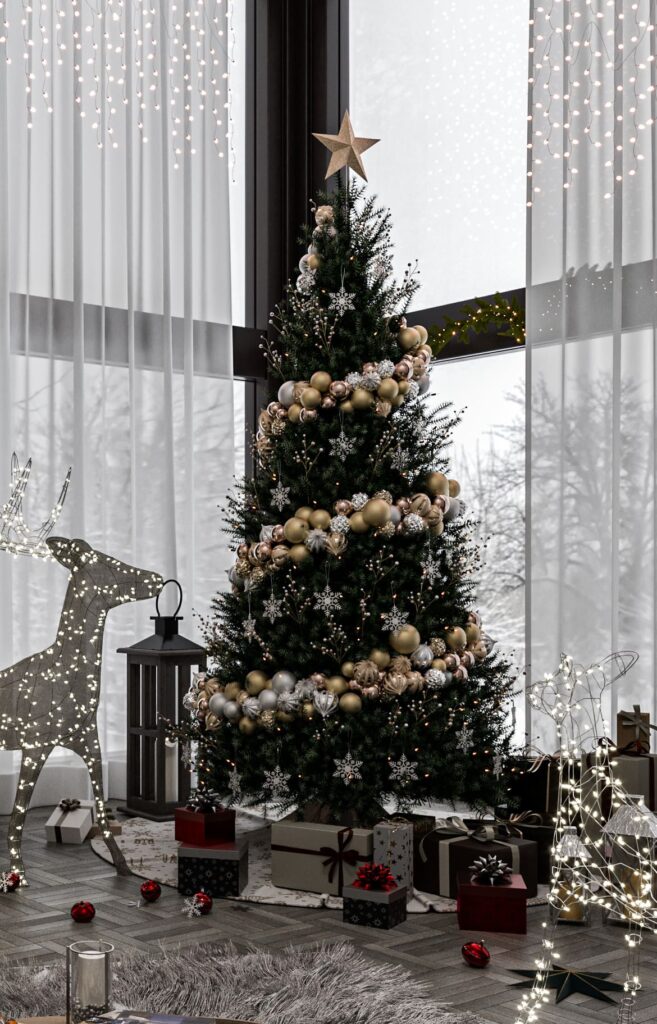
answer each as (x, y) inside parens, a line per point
(404, 506)
(402, 370)
(461, 673)
(339, 389)
(452, 661)
(468, 659)
(420, 503)
(328, 402)
(272, 409)
(278, 534)
(308, 415)
(371, 692)
(263, 551)
(343, 507)
(242, 550)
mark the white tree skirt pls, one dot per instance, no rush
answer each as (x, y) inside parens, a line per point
(151, 851)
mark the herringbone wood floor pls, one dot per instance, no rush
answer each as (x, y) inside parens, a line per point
(35, 924)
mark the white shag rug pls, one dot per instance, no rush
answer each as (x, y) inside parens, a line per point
(151, 851)
(331, 984)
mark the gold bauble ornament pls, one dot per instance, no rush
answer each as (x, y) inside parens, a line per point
(299, 388)
(284, 716)
(347, 405)
(454, 488)
(304, 512)
(211, 722)
(421, 503)
(455, 638)
(351, 703)
(308, 415)
(405, 640)
(311, 398)
(434, 517)
(398, 401)
(375, 512)
(280, 555)
(313, 263)
(439, 664)
(423, 332)
(395, 684)
(255, 682)
(307, 709)
(400, 663)
(299, 553)
(366, 672)
(409, 339)
(404, 386)
(380, 658)
(415, 681)
(361, 399)
(388, 389)
(336, 684)
(321, 381)
(231, 691)
(296, 530)
(320, 519)
(437, 483)
(294, 413)
(257, 576)
(247, 725)
(347, 669)
(472, 634)
(357, 523)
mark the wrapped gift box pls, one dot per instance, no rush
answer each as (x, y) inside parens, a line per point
(71, 821)
(529, 826)
(393, 846)
(533, 785)
(446, 852)
(374, 909)
(204, 828)
(317, 858)
(633, 730)
(492, 908)
(637, 773)
(221, 870)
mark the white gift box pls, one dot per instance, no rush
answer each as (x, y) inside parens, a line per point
(393, 846)
(71, 826)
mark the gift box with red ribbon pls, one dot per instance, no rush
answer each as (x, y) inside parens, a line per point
(453, 846)
(203, 828)
(492, 908)
(317, 858)
(374, 899)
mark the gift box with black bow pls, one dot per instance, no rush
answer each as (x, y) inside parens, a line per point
(221, 870)
(71, 821)
(374, 899)
(452, 847)
(315, 857)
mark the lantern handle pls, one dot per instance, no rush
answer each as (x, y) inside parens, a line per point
(180, 601)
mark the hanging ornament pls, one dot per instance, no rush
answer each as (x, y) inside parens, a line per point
(394, 619)
(276, 783)
(272, 609)
(347, 769)
(342, 301)
(464, 739)
(475, 954)
(249, 628)
(403, 771)
(431, 569)
(83, 912)
(280, 496)
(325, 702)
(342, 446)
(234, 784)
(9, 881)
(150, 891)
(498, 765)
(327, 601)
(198, 905)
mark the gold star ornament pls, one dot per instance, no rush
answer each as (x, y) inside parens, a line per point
(345, 148)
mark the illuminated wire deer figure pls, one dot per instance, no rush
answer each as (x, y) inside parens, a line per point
(50, 699)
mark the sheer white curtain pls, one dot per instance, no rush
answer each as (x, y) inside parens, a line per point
(592, 361)
(115, 301)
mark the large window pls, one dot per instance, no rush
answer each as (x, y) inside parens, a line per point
(444, 84)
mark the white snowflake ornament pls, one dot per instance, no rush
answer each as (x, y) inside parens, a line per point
(464, 739)
(192, 907)
(341, 446)
(394, 619)
(272, 608)
(234, 784)
(403, 771)
(431, 569)
(276, 784)
(327, 601)
(249, 628)
(342, 301)
(498, 765)
(347, 769)
(280, 496)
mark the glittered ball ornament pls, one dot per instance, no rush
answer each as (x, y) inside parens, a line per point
(405, 640)
(475, 954)
(203, 902)
(83, 912)
(150, 891)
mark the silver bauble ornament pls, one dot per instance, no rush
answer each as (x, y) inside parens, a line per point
(422, 656)
(268, 700)
(395, 515)
(305, 688)
(289, 701)
(286, 393)
(435, 679)
(216, 704)
(251, 707)
(453, 511)
(325, 702)
(232, 710)
(266, 533)
(283, 682)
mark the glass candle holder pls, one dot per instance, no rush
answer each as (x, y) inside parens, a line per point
(88, 980)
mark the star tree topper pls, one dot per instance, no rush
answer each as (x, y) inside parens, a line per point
(345, 148)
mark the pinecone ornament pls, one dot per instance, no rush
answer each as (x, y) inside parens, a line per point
(490, 870)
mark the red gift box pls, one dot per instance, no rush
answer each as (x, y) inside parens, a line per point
(492, 908)
(202, 828)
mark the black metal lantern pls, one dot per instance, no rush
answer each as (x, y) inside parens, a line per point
(159, 675)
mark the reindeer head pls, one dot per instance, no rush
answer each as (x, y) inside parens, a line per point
(92, 571)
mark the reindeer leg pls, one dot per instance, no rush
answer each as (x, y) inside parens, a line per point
(87, 746)
(31, 764)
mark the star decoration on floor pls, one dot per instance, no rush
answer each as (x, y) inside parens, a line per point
(342, 446)
(272, 608)
(280, 496)
(347, 769)
(568, 983)
(345, 148)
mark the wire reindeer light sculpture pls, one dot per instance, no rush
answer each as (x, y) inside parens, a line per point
(50, 699)
(616, 868)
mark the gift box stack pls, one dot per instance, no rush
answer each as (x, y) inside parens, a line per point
(374, 899)
(209, 856)
(533, 802)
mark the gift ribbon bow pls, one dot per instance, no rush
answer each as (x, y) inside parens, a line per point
(455, 826)
(336, 859)
(69, 804)
(632, 720)
(512, 823)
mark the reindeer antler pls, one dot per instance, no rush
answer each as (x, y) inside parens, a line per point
(15, 535)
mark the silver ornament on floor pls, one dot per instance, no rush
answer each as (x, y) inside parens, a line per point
(268, 700)
(283, 682)
(325, 702)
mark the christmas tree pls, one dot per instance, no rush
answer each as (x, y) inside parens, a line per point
(349, 667)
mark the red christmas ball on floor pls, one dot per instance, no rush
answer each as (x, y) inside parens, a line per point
(475, 954)
(83, 912)
(151, 891)
(203, 902)
(9, 881)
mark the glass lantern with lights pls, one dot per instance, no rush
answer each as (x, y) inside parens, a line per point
(568, 904)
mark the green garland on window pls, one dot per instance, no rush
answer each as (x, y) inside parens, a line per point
(504, 316)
